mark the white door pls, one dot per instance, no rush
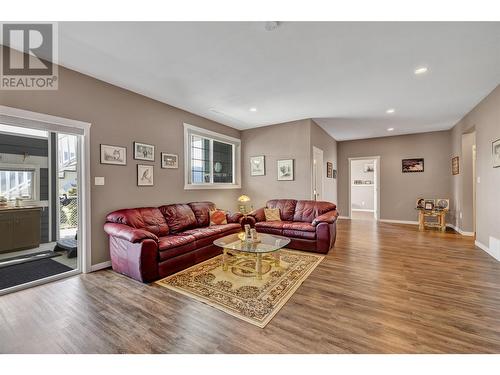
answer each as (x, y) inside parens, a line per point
(317, 184)
(375, 188)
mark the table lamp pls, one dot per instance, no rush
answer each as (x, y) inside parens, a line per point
(242, 206)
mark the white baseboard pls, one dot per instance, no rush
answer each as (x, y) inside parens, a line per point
(361, 210)
(399, 221)
(487, 250)
(100, 266)
(344, 217)
(463, 233)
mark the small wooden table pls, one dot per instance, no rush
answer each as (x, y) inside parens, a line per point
(437, 213)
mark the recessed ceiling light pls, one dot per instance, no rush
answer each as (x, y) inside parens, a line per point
(390, 110)
(253, 109)
(390, 129)
(421, 70)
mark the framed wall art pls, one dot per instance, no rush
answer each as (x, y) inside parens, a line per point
(143, 151)
(116, 155)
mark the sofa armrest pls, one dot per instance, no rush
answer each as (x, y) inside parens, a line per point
(258, 215)
(234, 217)
(128, 233)
(328, 217)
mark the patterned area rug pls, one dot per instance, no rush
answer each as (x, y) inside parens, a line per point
(240, 294)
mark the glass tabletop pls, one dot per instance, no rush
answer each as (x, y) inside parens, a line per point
(267, 243)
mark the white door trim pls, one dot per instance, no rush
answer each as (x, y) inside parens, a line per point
(377, 185)
(35, 120)
(317, 151)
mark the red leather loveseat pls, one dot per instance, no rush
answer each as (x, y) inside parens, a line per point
(310, 225)
(150, 243)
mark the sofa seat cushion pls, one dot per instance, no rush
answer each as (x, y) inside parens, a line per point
(172, 246)
(292, 233)
(206, 236)
(299, 226)
(271, 227)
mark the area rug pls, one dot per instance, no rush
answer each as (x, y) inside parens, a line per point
(240, 294)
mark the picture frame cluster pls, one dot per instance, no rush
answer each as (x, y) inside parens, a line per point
(117, 155)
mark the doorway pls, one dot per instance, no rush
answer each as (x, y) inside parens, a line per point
(43, 199)
(317, 177)
(364, 188)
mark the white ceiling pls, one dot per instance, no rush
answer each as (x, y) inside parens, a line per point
(343, 75)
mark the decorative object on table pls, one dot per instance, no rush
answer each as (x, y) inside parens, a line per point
(143, 151)
(218, 217)
(329, 169)
(429, 204)
(247, 229)
(237, 292)
(495, 150)
(368, 182)
(455, 168)
(442, 204)
(420, 203)
(358, 182)
(145, 175)
(257, 166)
(243, 204)
(334, 174)
(369, 168)
(116, 155)
(169, 161)
(285, 170)
(412, 165)
(272, 214)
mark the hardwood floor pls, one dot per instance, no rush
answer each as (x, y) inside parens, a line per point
(384, 288)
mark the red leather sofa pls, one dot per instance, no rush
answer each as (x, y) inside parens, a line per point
(150, 243)
(310, 225)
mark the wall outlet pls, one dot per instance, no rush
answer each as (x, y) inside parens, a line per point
(479, 180)
(461, 216)
(99, 181)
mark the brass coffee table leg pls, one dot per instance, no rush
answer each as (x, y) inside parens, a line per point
(258, 266)
(277, 259)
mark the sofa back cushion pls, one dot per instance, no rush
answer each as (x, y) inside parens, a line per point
(179, 217)
(286, 206)
(202, 212)
(307, 211)
(147, 218)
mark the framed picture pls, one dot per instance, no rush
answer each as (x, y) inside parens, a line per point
(429, 204)
(334, 173)
(145, 175)
(455, 169)
(367, 168)
(169, 161)
(421, 203)
(285, 170)
(143, 151)
(329, 170)
(116, 155)
(257, 166)
(496, 153)
(412, 165)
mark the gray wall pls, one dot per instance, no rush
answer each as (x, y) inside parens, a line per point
(282, 141)
(323, 141)
(485, 120)
(120, 117)
(399, 191)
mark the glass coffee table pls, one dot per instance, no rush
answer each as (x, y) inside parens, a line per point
(266, 250)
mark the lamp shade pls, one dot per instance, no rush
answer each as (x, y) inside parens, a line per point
(244, 198)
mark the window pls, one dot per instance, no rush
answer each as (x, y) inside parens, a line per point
(17, 183)
(212, 159)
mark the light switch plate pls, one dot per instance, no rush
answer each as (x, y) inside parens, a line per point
(99, 181)
(479, 180)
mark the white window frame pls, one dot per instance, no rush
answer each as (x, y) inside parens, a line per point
(36, 177)
(190, 130)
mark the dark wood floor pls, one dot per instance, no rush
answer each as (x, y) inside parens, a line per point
(385, 288)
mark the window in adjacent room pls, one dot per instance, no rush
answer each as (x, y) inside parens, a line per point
(212, 159)
(17, 183)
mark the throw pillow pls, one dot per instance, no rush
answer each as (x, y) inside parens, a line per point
(272, 214)
(218, 217)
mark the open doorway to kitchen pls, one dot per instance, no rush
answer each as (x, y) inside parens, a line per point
(364, 185)
(41, 202)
